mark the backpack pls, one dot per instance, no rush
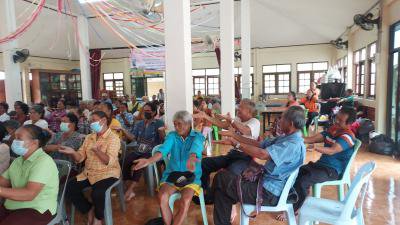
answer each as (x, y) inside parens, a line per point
(155, 221)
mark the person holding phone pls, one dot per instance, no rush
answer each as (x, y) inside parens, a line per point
(184, 147)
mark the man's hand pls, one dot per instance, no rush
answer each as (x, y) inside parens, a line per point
(226, 141)
(228, 133)
(141, 163)
(66, 150)
(227, 117)
(199, 115)
(191, 163)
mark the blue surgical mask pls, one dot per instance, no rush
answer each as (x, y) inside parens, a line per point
(96, 127)
(18, 147)
(64, 127)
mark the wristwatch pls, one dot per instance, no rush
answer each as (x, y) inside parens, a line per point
(237, 146)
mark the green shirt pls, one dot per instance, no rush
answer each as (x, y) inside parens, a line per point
(39, 168)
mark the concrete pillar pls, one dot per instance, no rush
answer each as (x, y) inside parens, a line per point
(178, 59)
(382, 70)
(246, 47)
(84, 61)
(227, 58)
(13, 76)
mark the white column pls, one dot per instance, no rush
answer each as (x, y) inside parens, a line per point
(13, 79)
(246, 47)
(227, 60)
(84, 57)
(178, 59)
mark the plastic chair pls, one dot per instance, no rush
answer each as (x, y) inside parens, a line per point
(177, 195)
(215, 130)
(281, 206)
(107, 205)
(64, 168)
(305, 131)
(345, 180)
(339, 212)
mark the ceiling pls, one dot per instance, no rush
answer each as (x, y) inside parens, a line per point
(273, 23)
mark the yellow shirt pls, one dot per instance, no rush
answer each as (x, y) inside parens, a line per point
(116, 123)
(95, 170)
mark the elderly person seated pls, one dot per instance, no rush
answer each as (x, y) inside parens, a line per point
(184, 147)
(36, 117)
(124, 117)
(244, 124)
(147, 133)
(68, 136)
(338, 148)
(11, 126)
(30, 184)
(100, 153)
(283, 155)
(54, 118)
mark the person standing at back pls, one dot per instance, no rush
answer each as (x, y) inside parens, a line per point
(3, 112)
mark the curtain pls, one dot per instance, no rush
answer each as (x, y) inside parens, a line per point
(95, 66)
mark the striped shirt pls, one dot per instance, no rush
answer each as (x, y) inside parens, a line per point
(346, 139)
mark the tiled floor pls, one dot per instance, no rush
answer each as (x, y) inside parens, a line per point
(381, 206)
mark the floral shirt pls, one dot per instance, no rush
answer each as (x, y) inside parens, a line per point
(54, 119)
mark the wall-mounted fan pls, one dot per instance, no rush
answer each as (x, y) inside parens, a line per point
(237, 56)
(340, 44)
(20, 56)
(366, 21)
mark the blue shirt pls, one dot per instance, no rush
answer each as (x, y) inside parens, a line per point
(339, 160)
(150, 132)
(128, 117)
(287, 154)
(179, 151)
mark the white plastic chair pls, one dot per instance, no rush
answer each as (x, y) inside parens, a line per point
(339, 212)
(345, 180)
(281, 206)
(177, 195)
(64, 168)
(108, 218)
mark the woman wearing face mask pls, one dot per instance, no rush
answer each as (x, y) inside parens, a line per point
(147, 133)
(184, 147)
(100, 153)
(68, 136)
(36, 117)
(30, 184)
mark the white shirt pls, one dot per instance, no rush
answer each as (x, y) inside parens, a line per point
(254, 125)
(40, 123)
(4, 117)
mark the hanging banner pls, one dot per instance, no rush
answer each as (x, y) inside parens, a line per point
(148, 61)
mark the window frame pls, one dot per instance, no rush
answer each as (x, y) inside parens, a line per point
(114, 83)
(276, 78)
(359, 86)
(205, 77)
(312, 72)
(371, 60)
(238, 77)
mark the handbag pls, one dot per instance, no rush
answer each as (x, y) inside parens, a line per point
(253, 173)
(181, 179)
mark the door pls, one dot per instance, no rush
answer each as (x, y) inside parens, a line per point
(394, 84)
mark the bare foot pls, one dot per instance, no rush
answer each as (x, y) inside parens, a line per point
(233, 213)
(129, 195)
(281, 217)
(97, 222)
(90, 216)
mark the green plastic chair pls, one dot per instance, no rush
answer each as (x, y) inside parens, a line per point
(215, 130)
(64, 168)
(305, 131)
(345, 180)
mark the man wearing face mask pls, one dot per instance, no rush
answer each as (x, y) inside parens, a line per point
(100, 153)
(147, 133)
(68, 136)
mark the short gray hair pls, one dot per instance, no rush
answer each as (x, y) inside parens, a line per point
(296, 115)
(184, 116)
(250, 104)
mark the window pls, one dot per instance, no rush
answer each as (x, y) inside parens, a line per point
(372, 70)
(310, 72)
(238, 77)
(206, 81)
(276, 79)
(359, 65)
(114, 82)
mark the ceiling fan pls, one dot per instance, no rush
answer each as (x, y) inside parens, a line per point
(151, 9)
